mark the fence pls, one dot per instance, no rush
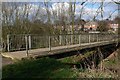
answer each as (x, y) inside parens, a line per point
(23, 41)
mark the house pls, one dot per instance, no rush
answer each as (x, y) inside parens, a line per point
(87, 26)
(91, 25)
(68, 28)
(113, 26)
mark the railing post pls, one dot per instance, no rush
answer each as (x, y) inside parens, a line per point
(1, 45)
(71, 38)
(66, 40)
(49, 43)
(79, 39)
(89, 38)
(93, 37)
(97, 38)
(26, 40)
(60, 38)
(30, 42)
(8, 43)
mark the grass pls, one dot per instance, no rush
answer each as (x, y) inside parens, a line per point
(52, 68)
(92, 73)
(41, 68)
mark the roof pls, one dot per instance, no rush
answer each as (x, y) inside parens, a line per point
(91, 23)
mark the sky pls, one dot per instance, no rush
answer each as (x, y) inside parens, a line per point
(88, 12)
(57, 0)
(90, 9)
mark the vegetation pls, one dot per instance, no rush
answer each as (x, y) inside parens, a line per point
(52, 68)
(40, 68)
(112, 65)
(103, 26)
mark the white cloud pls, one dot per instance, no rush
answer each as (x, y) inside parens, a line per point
(90, 12)
(55, 0)
(32, 9)
(59, 7)
(86, 11)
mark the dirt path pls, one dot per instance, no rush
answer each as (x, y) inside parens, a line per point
(6, 61)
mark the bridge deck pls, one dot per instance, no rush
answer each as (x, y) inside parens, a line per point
(54, 50)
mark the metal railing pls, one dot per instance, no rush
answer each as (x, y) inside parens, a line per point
(27, 42)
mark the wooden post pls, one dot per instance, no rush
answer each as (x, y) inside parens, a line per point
(26, 40)
(8, 43)
(49, 43)
(30, 42)
(79, 39)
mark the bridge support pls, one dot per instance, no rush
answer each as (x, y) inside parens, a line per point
(100, 57)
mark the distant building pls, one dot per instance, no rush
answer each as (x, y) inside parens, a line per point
(113, 26)
(91, 25)
(88, 26)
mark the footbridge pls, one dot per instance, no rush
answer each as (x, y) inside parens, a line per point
(29, 45)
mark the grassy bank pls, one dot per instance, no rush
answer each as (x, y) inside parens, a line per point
(53, 68)
(40, 68)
